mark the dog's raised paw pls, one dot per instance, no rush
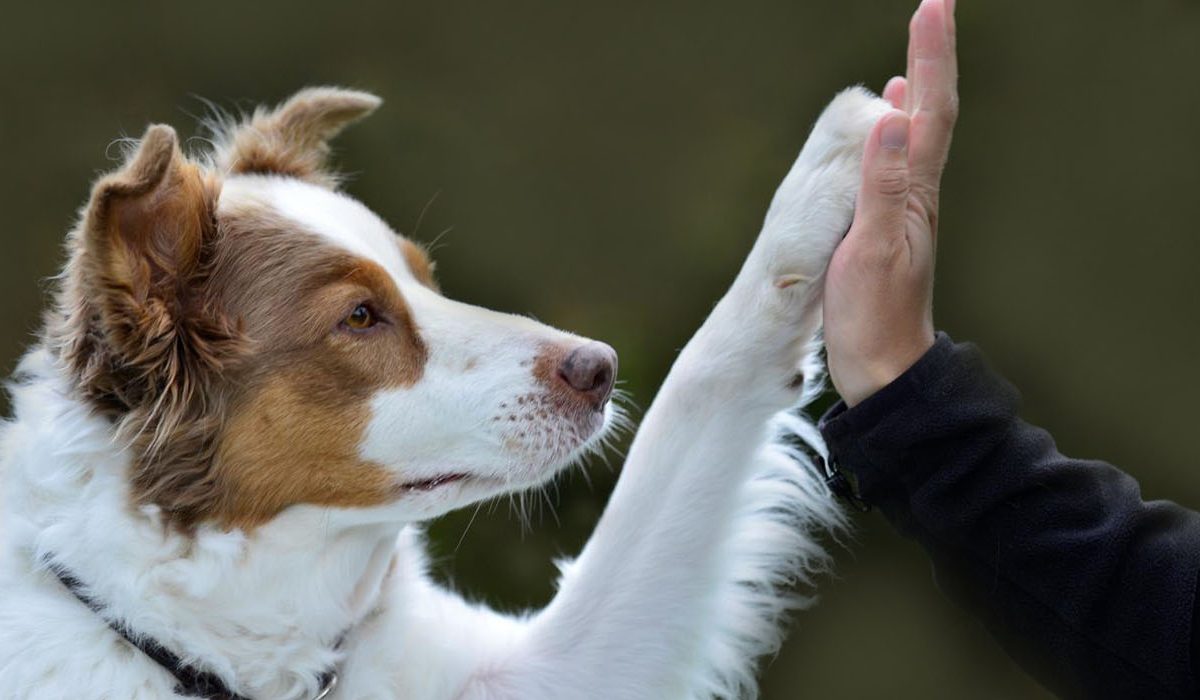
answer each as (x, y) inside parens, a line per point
(842, 128)
(814, 204)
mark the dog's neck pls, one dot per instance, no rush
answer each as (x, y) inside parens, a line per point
(264, 610)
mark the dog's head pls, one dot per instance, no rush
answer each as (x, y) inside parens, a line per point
(263, 340)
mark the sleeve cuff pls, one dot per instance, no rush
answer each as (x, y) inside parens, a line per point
(841, 421)
(873, 440)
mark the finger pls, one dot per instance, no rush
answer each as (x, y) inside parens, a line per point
(951, 27)
(894, 91)
(932, 92)
(914, 37)
(883, 199)
(909, 70)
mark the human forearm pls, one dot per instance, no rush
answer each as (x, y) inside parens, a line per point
(1091, 588)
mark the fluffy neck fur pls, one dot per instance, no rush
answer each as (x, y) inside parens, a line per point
(263, 610)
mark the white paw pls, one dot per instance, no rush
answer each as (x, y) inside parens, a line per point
(814, 205)
(761, 333)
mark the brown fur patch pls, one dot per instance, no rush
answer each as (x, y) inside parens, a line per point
(284, 446)
(417, 258)
(546, 363)
(294, 430)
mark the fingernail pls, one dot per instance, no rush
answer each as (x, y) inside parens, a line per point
(894, 133)
(928, 17)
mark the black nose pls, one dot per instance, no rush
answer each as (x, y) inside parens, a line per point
(591, 369)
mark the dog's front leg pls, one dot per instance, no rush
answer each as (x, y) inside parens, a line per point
(684, 581)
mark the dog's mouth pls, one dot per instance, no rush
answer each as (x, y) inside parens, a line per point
(425, 485)
(534, 450)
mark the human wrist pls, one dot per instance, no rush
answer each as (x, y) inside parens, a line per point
(872, 373)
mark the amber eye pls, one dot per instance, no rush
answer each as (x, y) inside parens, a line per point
(361, 318)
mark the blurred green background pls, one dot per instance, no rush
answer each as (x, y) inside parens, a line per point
(604, 167)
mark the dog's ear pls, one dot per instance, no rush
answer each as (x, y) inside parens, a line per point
(147, 223)
(293, 139)
(134, 321)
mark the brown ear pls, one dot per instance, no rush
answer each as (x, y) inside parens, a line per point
(294, 138)
(132, 318)
(143, 239)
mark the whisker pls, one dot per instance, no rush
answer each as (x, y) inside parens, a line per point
(421, 216)
(432, 246)
(470, 522)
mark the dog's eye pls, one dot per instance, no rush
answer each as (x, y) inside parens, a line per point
(361, 318)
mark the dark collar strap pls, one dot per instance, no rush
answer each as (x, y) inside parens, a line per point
(190, 680)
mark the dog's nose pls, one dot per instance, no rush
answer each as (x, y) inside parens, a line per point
(591, 369)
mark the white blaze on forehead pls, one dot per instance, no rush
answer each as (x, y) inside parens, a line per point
(335, 217)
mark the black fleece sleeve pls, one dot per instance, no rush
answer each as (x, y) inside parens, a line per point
(1091, 589)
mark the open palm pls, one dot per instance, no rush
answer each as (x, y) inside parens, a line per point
(879, 288)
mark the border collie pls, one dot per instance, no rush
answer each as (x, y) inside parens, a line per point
(249, 393)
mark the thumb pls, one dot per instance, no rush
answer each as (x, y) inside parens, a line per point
(883, 199)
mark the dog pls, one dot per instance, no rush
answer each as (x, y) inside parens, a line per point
(249, 393)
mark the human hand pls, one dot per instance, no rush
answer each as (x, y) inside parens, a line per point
(879, 287)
